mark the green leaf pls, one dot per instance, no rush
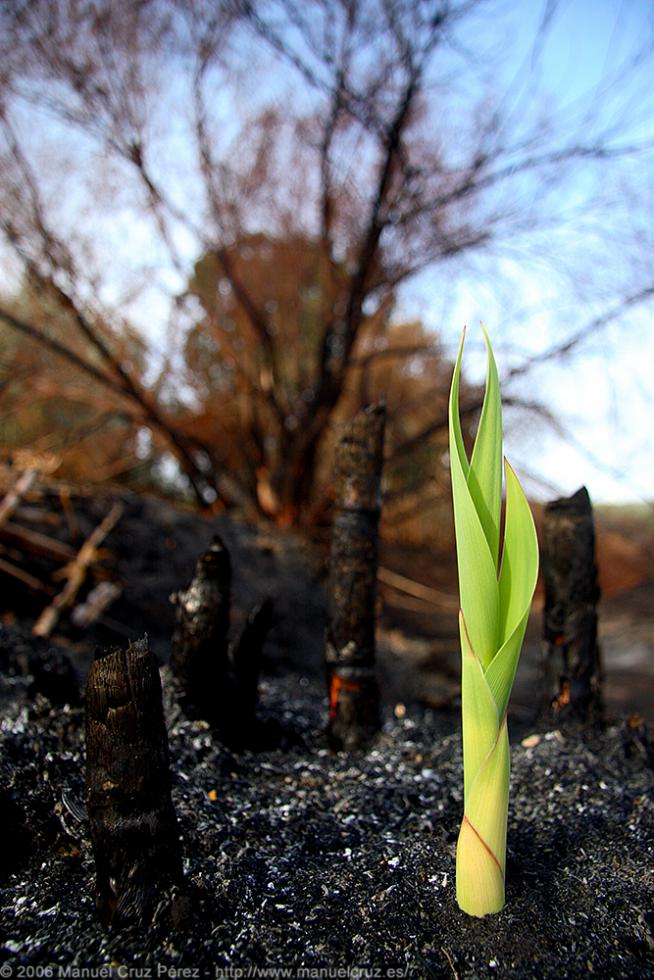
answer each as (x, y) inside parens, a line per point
(517, 583)
(478, 584)
(502, 669)
(479, 711)
(456, 436)
(519, 569)
(485, 477)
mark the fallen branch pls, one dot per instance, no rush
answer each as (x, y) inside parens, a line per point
(37, 515)
(8, 568)
(12, 499)
(37, 544)
(416, 589)
(75, 573)
(92, 609)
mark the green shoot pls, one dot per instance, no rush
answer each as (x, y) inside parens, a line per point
(492, 622)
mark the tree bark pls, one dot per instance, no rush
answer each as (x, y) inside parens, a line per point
(131, 817)
(571, 651)
(350, 642)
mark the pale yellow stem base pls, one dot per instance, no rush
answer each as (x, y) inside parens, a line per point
(479, 877)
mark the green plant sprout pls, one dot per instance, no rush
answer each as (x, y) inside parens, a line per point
(492, 622)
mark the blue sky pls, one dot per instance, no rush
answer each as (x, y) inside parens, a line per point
(603, 394)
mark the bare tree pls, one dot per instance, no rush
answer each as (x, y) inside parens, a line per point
(324, 129)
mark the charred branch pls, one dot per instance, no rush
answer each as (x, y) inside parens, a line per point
(332, 368)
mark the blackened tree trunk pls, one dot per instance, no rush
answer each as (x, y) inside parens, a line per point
(571, 651)
(350, 642)
(131, 817)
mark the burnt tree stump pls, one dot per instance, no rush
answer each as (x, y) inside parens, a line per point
(217, 681)
(571, 652)
(246, 663)
(199, 658)
(354, 716)
(132, 822)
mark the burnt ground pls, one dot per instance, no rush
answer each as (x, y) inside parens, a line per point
(297, 859)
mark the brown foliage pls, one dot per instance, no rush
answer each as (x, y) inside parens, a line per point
(49, 405)
(252, 403)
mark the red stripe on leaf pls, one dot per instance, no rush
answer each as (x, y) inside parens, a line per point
(483, 843)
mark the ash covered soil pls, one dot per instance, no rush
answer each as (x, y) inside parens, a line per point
(299, 859)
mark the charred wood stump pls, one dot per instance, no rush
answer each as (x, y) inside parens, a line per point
(245, 662)
(131, 817)
(199, 658)
(217, 681)
(354, 716)
(571, 650)
(637, 741)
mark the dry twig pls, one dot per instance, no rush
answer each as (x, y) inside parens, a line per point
(12, 499)
(75, 573)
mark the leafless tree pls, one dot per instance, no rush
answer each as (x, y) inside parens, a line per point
(327, 125)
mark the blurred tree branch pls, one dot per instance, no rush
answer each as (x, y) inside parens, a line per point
(292, 166)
